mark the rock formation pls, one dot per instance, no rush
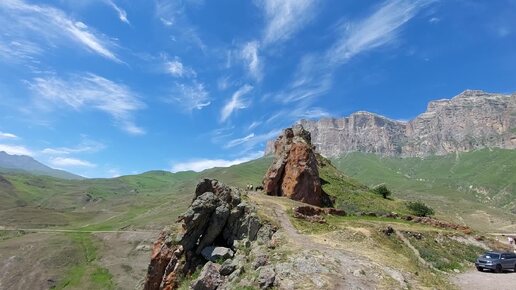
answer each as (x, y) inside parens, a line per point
(212, 225)
(469, 121)
(294, 171)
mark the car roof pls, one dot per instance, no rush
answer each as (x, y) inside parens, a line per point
(497, 252)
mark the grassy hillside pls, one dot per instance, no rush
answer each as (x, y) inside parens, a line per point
(107, 220)
(479, 185)
(352, 195)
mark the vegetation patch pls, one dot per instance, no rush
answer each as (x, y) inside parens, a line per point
(442, 252)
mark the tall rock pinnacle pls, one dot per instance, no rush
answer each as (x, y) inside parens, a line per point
(294, 171)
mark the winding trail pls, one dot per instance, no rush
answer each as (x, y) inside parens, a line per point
(348, 262)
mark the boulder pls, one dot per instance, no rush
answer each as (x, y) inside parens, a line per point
(209, 279)
(227, 267)
(266, 277)
(260, 260)
(294, 172)
(217, 253)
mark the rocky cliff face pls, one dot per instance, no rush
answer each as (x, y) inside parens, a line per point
(469, 121)
(294, 171)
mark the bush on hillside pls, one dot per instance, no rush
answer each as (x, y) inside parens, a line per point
(382, 190)
(420, 209)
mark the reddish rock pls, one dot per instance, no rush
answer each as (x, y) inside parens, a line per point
(294, 172)
(315, 214)
(161, 255)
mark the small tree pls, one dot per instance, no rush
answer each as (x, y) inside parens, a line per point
(420, 209)
(382, 190)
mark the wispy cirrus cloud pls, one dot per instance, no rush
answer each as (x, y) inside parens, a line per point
(172, 14)
(203, 164)
(236, 102)
(193, 96)
(378, 29)
(89, 91)
(249, 55)
(23, 22)
(66, 162)
(314, 75)
(86, 146)
(285, 17)
(252, 140)
(122, 14)
(176, 68)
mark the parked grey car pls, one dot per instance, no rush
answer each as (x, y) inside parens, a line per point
(496, 261)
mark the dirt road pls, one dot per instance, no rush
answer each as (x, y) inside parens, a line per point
(486, 280)
(348, 262)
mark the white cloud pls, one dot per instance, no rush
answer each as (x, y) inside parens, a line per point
(250, 141)
(4, 135)
(202, 164)
(434, 20)
(254, 125)
(251, 59)
(86, 146)
(376, 30)
(18, 50)
(176, 68)
(90, 91)
(122, 14)
(314, 75)
(236, 102)
(286, 17)
(16, 150)
(239, 141)
(26, 22)
(192, 97)
(70, 162)
(172, 14)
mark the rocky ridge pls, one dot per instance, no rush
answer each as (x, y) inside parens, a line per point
(471, 120)
(215, 228)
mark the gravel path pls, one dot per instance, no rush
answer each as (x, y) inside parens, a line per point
(486, 280)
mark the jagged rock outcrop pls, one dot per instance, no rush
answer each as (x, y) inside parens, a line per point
(214, 222)
(294, 171)
(469, 121)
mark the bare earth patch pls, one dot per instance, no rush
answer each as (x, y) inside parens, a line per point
(486, 280)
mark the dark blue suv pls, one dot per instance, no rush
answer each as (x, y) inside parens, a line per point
(496, 261)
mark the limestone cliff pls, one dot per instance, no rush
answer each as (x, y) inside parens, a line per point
(469, 121)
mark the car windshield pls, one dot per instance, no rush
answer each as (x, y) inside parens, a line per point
(491, 256)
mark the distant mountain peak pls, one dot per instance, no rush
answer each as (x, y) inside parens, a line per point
(28, 164)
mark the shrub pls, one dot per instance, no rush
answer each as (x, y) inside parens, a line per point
(382, 190)
(420, 209)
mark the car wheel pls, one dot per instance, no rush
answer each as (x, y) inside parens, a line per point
(480, 269)
(498, 268)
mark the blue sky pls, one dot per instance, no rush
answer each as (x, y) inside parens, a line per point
(109, 87)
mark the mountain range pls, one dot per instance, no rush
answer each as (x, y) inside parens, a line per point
(471, 120)
(28, 164)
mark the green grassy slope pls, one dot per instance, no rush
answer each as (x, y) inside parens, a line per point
(352, 195)
(476, 187)
(487, 176)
